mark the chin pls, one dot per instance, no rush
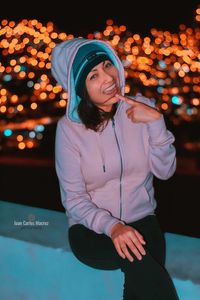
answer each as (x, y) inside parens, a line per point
(113, 100)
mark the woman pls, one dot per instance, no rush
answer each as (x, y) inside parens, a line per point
(108, 148)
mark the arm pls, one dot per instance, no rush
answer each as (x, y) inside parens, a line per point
(162, 156)
(75, 199)
(162, 152)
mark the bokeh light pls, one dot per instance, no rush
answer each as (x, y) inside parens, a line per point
(164, 66)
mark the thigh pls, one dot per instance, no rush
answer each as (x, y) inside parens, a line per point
(95, 250)
(147, 279)
(150, 228)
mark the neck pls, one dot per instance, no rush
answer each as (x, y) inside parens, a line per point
(107, 113)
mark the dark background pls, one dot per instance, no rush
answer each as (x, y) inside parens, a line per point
(29, 177)
(83, 17)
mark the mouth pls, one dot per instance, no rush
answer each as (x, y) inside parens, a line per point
(111, 89)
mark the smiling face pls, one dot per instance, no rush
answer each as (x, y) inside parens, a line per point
(102, 84)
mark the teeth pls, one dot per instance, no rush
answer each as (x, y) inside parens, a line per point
(112, 87)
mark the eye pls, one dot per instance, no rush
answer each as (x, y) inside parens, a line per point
(108, 64)
(93, 76)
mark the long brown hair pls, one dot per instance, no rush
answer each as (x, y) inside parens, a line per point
(93, 117)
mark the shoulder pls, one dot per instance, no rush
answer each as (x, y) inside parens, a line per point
(62, 122)
(148, 101)
(70, 131)
(61, 125)
(66, 125)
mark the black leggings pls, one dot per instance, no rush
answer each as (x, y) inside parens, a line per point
(147, 279)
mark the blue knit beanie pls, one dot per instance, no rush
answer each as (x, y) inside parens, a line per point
(87, 57)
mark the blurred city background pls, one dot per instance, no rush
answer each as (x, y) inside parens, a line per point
(160, 63)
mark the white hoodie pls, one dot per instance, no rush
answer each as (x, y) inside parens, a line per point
(107, 177)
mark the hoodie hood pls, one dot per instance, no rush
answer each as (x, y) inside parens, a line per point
(63, 56)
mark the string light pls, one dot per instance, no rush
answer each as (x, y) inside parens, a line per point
(167, 64)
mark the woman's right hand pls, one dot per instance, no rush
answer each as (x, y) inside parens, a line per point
(139, 112)
(126, 240)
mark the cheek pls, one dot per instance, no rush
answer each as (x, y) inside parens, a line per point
(89, 87)
(116, 76)
(93, 90)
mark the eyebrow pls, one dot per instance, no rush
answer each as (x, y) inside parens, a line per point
(103, 62)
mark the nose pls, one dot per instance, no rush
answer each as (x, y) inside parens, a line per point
(106, 76)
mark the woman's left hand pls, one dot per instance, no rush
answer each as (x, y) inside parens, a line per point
(139, 112)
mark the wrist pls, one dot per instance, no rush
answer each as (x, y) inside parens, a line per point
(156, 115)
(116, 227)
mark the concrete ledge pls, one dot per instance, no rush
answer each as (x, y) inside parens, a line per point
(30, 271)
(25, 223)
(37, 263)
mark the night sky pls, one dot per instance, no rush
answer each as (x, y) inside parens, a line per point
(82, 17)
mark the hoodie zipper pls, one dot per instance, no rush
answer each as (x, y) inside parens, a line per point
(101, 153)
(121, 162)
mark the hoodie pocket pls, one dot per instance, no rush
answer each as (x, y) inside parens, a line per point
(149, 195)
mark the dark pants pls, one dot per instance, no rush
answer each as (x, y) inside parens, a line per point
(147, 279)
